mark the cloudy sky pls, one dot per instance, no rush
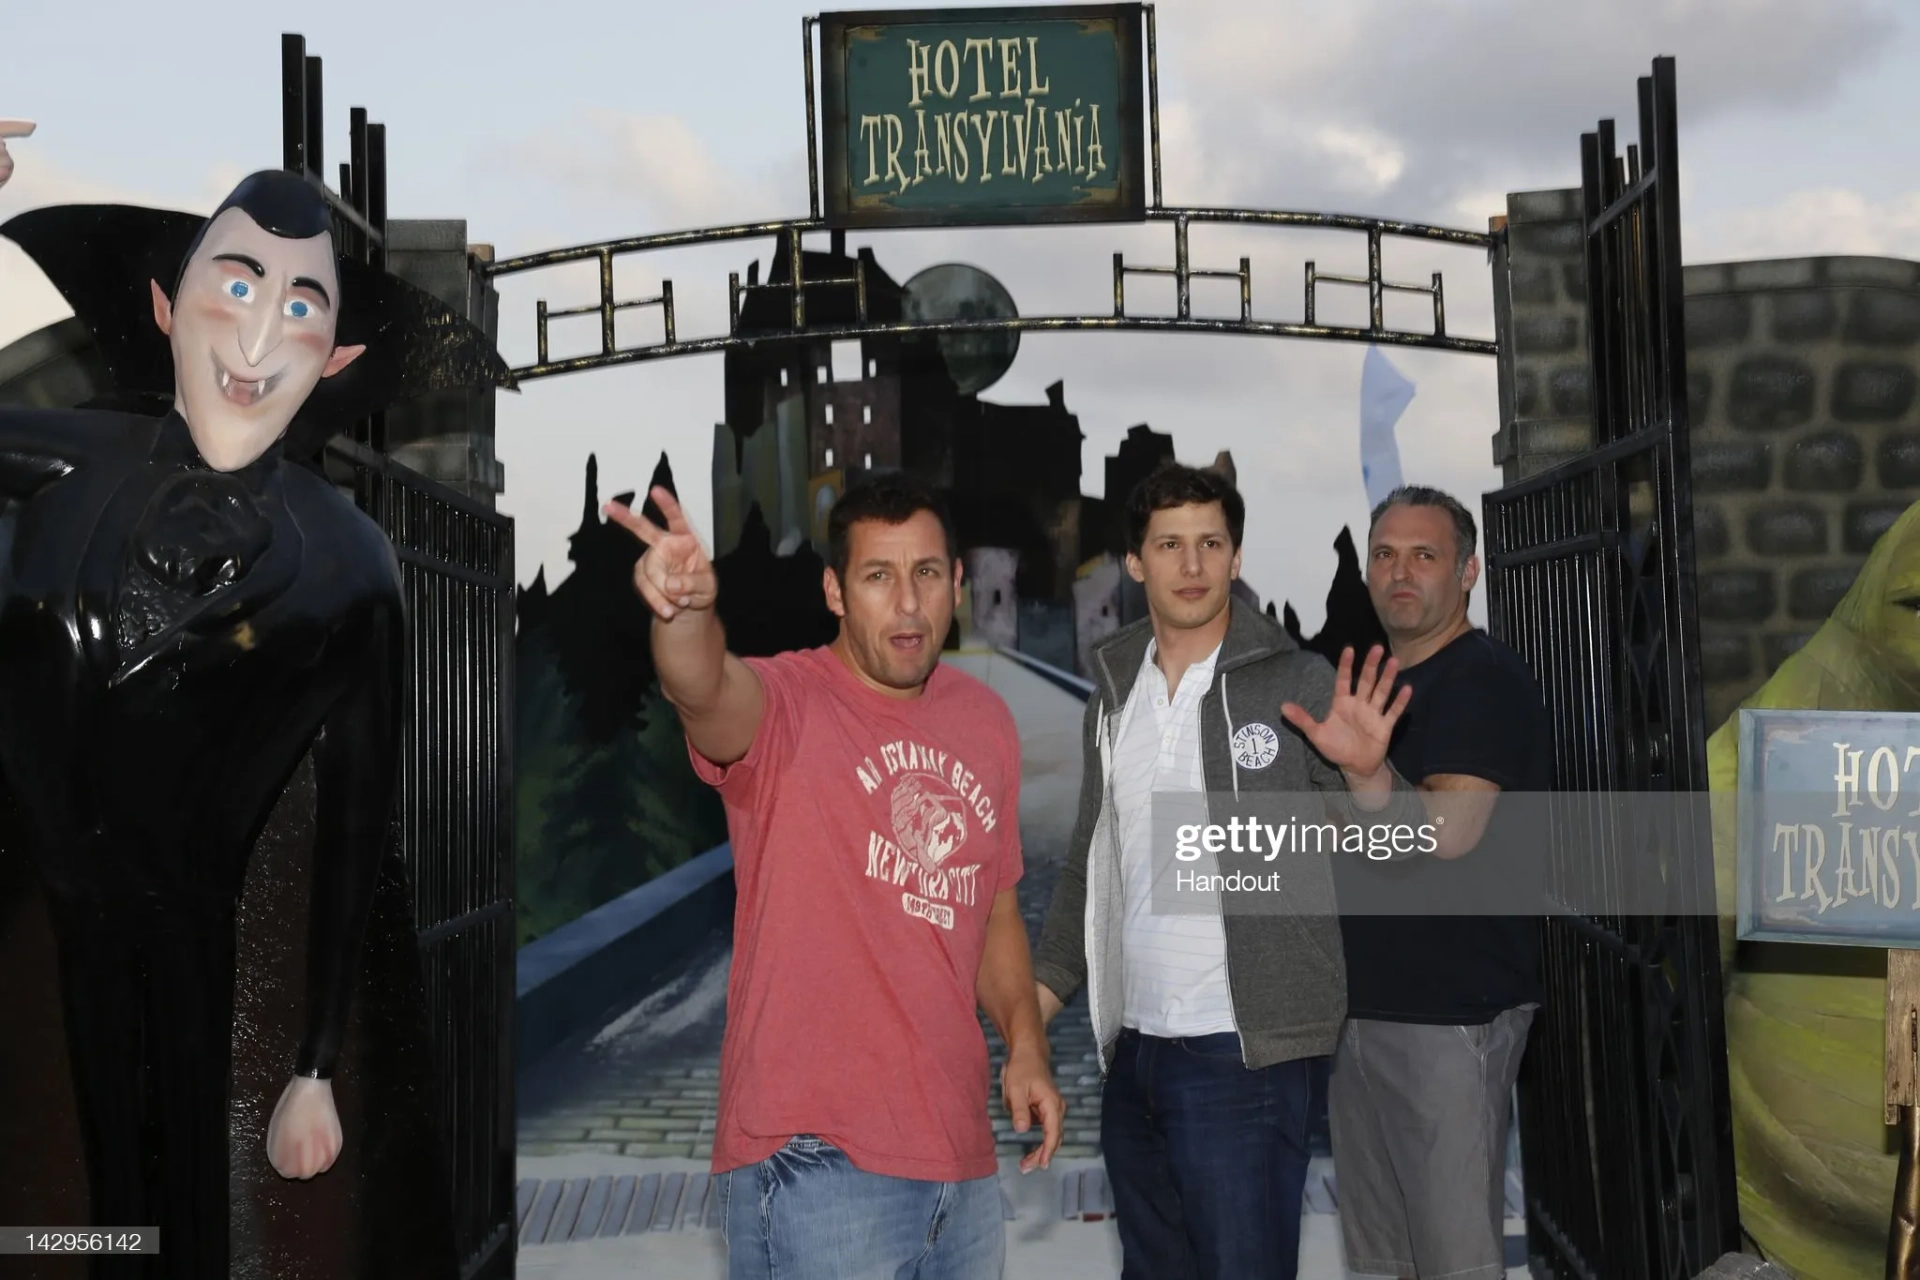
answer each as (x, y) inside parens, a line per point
(573, 121)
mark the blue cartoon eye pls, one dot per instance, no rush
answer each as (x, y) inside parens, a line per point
(298, 309)
(240, 289)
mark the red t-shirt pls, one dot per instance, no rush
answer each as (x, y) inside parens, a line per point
(870, 835)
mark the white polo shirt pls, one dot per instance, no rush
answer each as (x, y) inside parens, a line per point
(1175, 970)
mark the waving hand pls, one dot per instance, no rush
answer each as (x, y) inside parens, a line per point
(1359, 724)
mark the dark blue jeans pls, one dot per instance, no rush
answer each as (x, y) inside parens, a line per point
(1207, 1159)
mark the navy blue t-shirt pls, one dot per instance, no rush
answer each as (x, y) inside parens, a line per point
(1475, 710)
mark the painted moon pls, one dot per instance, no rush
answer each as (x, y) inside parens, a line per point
(956, 291)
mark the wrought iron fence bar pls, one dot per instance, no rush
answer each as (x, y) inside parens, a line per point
(1374, 279)
(1647, 437)
(1182, 274)
(796, 278)
(596, 308)
(346, 212)
(478, 577)
(1386, 285)
(1569, 1253)
(495, 1241)
(313, 97)
(1055, 324)
(1627, 200)
(856, 280)
(293, 103)
(1153, 98)
(377, 191)
(813, 145)
(608, 342)
(1603, 540)
(1239, 217)
(460, 923)
(379, 464)
(1589, 927)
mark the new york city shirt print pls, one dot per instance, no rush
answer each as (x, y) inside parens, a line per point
(936, 805)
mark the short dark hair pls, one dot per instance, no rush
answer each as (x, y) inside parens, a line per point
(1465, 533)
(890, 498)
(1172, 485)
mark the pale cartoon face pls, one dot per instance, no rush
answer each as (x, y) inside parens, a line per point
(252, 329)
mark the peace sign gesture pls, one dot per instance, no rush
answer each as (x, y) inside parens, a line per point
(1359, 724)
(675, 572)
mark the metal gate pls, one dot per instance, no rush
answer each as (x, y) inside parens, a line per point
(1625, 1130)
(453, 813)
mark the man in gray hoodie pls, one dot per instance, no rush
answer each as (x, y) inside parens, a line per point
(1211, 1023)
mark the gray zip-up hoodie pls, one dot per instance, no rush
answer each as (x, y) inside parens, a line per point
(1286, 970)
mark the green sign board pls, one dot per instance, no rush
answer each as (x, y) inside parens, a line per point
(937, 117)
(1829, 822)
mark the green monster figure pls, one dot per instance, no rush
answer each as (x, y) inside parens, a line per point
(1805, 1038)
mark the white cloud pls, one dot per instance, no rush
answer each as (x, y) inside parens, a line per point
(1472, 95)
(659, 161)
(1808, 223)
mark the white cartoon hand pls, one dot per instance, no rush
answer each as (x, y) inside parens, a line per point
(11, 129)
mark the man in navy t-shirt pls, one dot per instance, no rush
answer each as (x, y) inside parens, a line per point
(1439, 1005)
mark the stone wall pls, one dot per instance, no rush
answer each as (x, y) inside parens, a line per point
(1802, 380)
(1540, 300)
(1806, 446)
(995, 611)
(1096, 607)
(448, 435)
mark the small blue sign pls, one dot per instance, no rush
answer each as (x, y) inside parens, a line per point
(1829, 827)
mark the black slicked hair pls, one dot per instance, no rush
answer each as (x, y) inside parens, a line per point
(282, 203)
(891, 498)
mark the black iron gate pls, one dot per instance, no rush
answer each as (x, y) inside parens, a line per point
(454, 809)
(1625, 1131)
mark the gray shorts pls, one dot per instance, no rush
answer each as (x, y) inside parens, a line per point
(1419, 1116)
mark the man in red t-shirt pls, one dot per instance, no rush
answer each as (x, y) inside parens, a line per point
(872, 796)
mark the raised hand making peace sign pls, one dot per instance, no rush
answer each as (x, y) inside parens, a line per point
(1359, 724)
(675, 573)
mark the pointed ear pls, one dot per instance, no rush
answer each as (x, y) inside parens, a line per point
(162, 309)
(341, 358)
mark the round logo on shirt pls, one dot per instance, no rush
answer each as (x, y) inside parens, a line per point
(1255, 746)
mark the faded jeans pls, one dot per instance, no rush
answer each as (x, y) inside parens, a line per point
(806, 1213)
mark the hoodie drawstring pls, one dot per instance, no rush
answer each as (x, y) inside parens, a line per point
(1227, 711)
